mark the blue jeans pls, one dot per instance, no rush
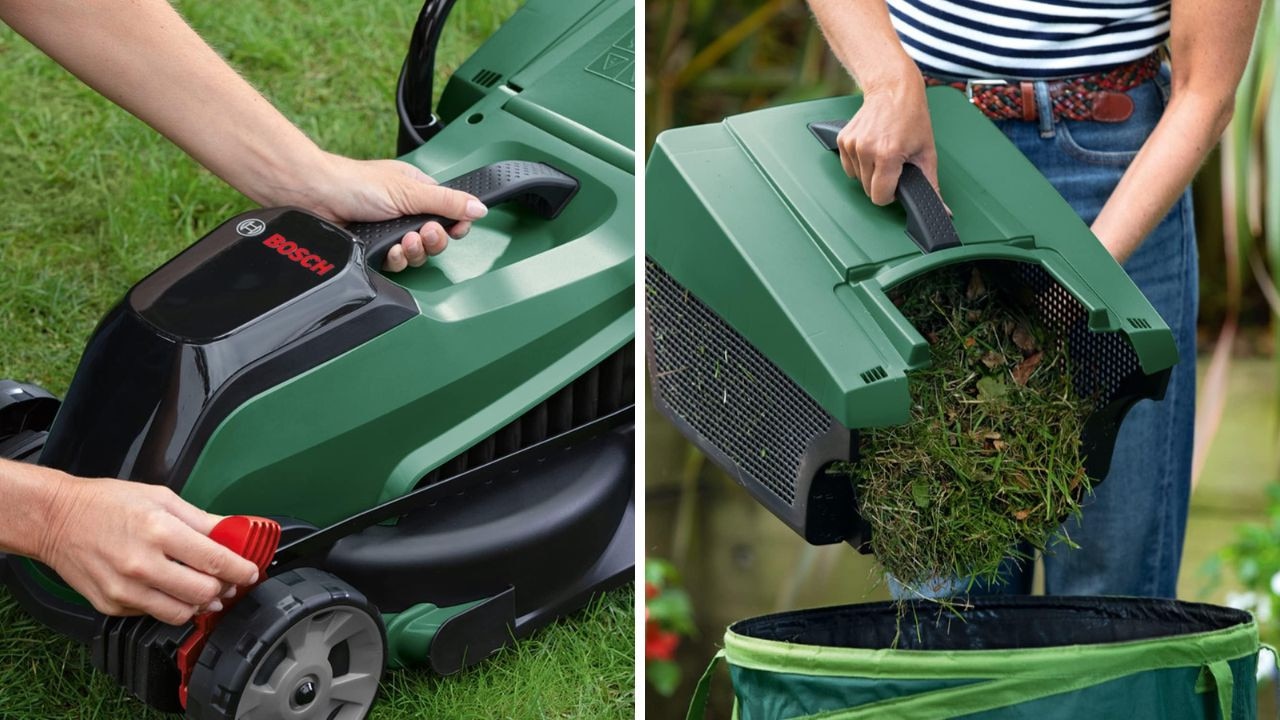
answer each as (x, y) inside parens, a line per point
(1131, 531)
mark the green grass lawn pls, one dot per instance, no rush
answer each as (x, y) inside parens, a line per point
(93, 200)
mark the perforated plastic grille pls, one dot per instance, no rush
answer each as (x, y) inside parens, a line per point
(1100, 362)
(605, 388)
(726, 390)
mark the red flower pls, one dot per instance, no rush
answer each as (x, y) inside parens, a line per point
(659, 644)
(651, 591)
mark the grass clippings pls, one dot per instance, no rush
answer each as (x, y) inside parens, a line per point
(990, 458)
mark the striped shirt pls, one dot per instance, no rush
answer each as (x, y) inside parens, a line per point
(1027, 38)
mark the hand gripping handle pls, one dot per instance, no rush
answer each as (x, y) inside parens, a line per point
(928, 223)
(538, 186)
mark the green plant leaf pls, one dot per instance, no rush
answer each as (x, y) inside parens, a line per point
(920, 493)
(663, 675)
(660, 573)
(992, 388)
(673, 611)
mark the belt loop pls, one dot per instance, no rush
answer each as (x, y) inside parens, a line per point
(1044, 109)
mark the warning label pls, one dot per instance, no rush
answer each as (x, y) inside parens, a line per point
(618, 62)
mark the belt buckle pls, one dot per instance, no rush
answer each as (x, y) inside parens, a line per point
(969, 85)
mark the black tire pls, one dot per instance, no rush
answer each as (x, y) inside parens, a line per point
(266, 649)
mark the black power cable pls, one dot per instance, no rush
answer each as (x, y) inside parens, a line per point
(418, 123)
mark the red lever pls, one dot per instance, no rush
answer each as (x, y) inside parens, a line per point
(254, 539)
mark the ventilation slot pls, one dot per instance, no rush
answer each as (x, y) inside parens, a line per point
(1139, 323)
(486, 78)
(874, 374)
(604, 389)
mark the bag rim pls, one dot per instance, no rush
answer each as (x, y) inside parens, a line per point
(1183, 650)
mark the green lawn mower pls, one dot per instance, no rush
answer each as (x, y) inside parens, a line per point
(437, 462)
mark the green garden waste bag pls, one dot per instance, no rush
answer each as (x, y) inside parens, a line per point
(1001, 658)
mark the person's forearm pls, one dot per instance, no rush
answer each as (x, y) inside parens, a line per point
(863, 39)
(1161, 172)
(143, 56)
(1208, 45)
(27, 492)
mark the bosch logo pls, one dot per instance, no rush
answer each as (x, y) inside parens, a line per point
(251, 227)
(300, 255)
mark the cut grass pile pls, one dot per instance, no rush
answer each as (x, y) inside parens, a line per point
(93, 200)
(990, 457)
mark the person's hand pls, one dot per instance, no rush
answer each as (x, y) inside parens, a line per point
(891, 128)
(132, 548)
(370, 190)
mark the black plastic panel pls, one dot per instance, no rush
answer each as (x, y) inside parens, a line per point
(25, 407)
(180, 353)
(540, 530)
(227, 281)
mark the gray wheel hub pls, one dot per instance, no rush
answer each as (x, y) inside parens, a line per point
(324, 667)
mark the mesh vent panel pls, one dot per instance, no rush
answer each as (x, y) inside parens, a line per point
(1100, 362)
(726, 390)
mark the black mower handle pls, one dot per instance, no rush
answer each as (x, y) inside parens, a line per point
(540, 187)
(928, 223)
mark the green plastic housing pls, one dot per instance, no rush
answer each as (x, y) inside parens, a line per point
(562, 66)
(508, 314)
(755, 220)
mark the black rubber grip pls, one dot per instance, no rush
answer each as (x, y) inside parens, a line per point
(538, 186)
(827, 131)
(928, 223)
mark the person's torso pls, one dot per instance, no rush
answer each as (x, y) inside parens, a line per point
(1027, 38)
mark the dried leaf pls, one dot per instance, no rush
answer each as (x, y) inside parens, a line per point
(1023, 339)
(1022, 514)
(973, 316)
(1022, 372)
(970, 342)
(992, 442)
(993, 360)
(977, 288)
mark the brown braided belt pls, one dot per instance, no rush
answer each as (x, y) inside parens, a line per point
(1100, 96)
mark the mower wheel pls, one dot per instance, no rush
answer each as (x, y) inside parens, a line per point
(303, 645)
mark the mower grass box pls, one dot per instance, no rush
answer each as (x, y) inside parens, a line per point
(772, 338)
(448, 450)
